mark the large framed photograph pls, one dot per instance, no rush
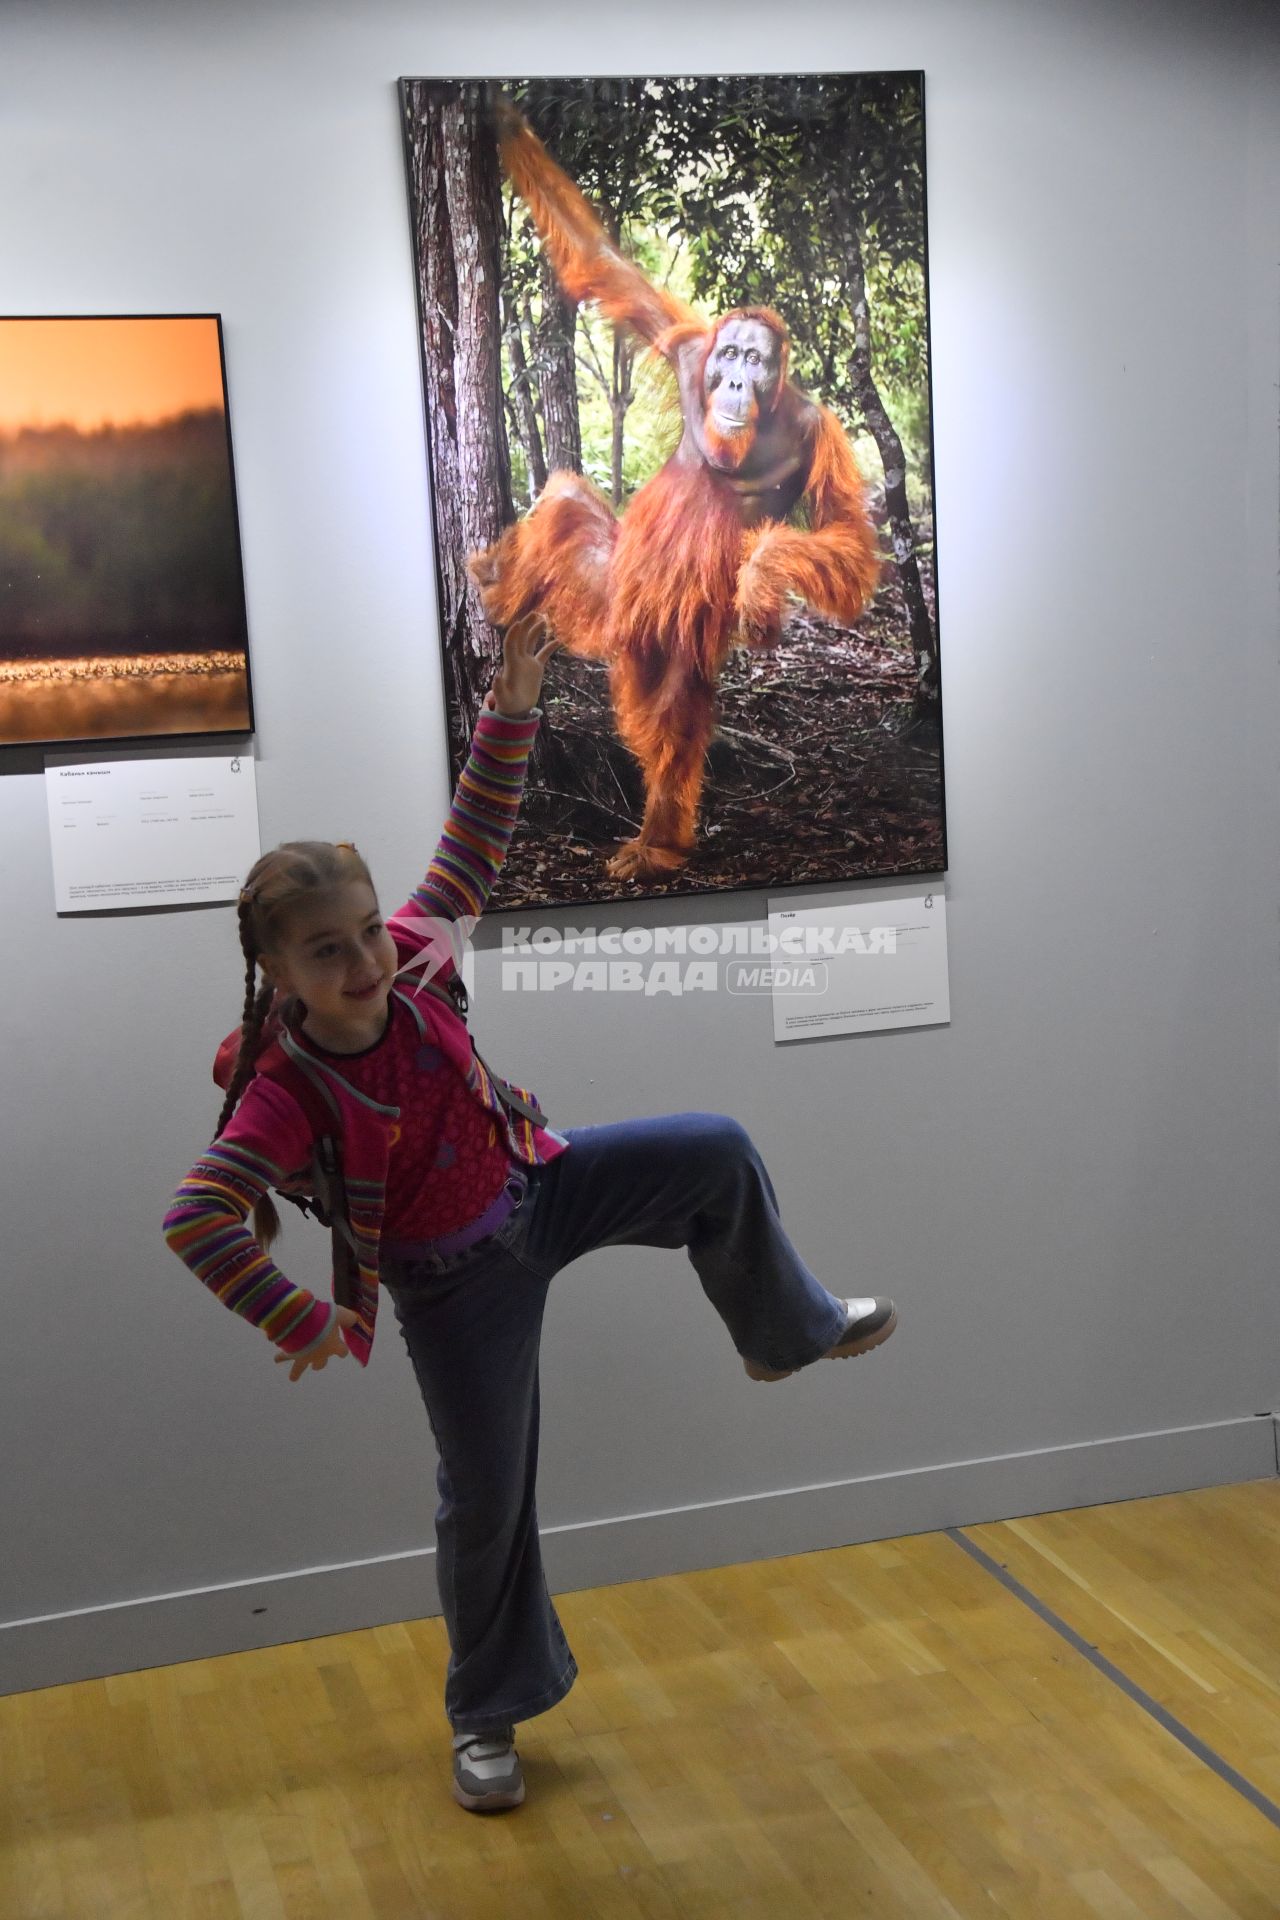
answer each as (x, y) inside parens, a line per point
(122, 611)
(675, 351)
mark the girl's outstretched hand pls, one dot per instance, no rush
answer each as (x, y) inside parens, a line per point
(526, 647)
(332, 1348)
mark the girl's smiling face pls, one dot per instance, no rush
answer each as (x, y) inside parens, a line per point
(339, 960)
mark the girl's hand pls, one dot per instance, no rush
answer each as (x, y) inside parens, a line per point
(518, 681)
(332, 1348)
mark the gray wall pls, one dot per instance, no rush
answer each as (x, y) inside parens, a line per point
(1072, 1189)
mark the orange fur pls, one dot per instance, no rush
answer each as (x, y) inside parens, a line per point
(555, 562)
(731, 449)
(664, 592)
(588, 265)
(835, 566)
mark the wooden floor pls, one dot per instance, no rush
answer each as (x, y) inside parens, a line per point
(882, 1730)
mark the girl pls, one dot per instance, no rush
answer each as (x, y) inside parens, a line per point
(463, 1204)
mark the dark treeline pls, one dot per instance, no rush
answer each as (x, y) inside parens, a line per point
(119, 541)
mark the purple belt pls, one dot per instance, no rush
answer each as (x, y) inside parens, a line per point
(489, 1221)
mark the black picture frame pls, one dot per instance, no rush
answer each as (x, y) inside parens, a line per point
(887, 821)
(139, 631)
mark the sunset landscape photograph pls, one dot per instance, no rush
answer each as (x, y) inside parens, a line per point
(122, 608)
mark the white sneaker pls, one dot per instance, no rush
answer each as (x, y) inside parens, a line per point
(869, 1324)
(486, 1771)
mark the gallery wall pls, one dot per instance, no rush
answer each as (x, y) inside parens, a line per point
(1071, 1189)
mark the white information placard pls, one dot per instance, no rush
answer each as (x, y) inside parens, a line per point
(150, 833)
(861, 964)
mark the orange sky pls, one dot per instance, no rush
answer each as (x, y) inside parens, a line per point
(86, 373)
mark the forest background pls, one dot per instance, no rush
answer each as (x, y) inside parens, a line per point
(806, 194)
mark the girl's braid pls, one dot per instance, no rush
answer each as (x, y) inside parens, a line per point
(256, 1008)
(266, 1218)
(292, 871)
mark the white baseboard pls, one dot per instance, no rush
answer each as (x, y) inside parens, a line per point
(161, 1629)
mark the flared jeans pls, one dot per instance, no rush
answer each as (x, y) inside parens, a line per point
(472, 1323)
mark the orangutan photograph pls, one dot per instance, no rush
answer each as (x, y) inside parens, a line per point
(675, 349)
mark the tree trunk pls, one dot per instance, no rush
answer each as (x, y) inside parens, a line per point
(438, 314)
(484, 475)
(620, 399)
(522, 400)
(557, 375)
(923, 639)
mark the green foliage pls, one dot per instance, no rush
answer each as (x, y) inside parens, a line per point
(803, 195)
(652, 421)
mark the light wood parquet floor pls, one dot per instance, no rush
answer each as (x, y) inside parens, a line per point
(878, 1731)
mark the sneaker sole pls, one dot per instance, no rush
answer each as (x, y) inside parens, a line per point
(488, 1802)
(842, 1352)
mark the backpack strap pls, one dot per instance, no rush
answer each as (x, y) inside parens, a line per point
(330, 1203)
(527, 1109)
(454, 995)
(451, 993)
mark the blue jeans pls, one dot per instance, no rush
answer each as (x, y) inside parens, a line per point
(472, 1324)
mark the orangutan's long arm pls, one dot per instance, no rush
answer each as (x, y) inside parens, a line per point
(587, 264)
(834, 567)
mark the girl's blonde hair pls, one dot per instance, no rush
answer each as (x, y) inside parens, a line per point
(276, 885)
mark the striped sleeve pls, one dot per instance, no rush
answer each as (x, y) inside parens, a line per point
(267, 1137)
(481, 820)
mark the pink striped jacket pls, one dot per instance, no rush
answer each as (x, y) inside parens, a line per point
(268, 1140)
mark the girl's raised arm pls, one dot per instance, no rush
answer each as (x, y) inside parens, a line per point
(486, 803)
